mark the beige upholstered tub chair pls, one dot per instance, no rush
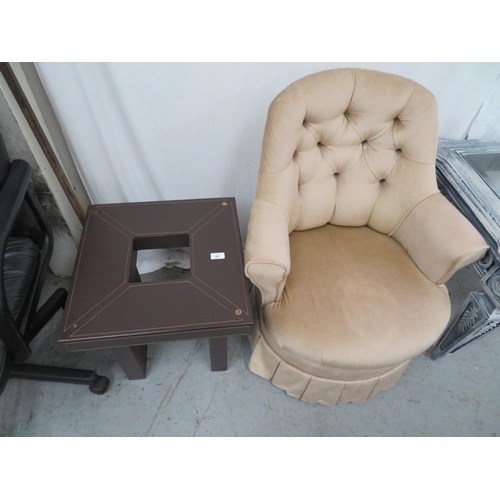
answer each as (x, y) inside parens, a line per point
(349, 240)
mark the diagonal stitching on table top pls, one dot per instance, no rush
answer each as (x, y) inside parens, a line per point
(78, 269)
(130, 285)
(160, 232)
(239, 258)
(160, 327)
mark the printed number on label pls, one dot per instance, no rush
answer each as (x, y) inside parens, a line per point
(217, 255)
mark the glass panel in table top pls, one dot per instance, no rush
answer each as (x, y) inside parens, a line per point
(487, 166)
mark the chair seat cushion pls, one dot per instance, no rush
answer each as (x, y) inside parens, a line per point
(20, 262)
(354, 301)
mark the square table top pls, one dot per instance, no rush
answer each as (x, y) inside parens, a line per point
(108, 305)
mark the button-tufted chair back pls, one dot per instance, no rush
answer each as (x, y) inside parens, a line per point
(359, 146)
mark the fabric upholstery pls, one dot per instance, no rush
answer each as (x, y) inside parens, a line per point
(439, 238)
(346, 140)
(341, 299)
(349, 241)
(313, 389)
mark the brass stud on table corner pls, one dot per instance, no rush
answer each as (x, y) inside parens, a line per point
(224, 203)
(238, 312)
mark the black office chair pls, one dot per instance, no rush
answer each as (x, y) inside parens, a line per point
(26, 245)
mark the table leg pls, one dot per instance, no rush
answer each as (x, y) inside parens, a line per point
(477, 317)
(132, 360)
(218, 354)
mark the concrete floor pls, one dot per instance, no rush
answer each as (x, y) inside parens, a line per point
(458, 395)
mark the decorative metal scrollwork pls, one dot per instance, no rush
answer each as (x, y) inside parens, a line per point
(487, 260)
(469, 318)
(495, 284)
(486, 328)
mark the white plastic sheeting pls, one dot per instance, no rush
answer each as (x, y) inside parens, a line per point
(158, 258)
(151, 131)
(486, 126)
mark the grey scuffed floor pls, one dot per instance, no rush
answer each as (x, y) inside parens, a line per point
(457, 395)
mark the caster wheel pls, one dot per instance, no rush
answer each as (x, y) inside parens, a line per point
(100, 386)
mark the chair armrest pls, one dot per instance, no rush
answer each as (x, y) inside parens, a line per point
(267, 249)
(12, 194)
(439, 239)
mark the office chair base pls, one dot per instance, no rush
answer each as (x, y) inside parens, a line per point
(97, 384)
(56, 301)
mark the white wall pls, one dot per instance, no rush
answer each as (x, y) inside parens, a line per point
(150, 131)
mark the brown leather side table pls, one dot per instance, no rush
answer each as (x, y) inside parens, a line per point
(109, 307)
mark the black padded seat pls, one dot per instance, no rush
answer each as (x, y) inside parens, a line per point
(21, 256)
